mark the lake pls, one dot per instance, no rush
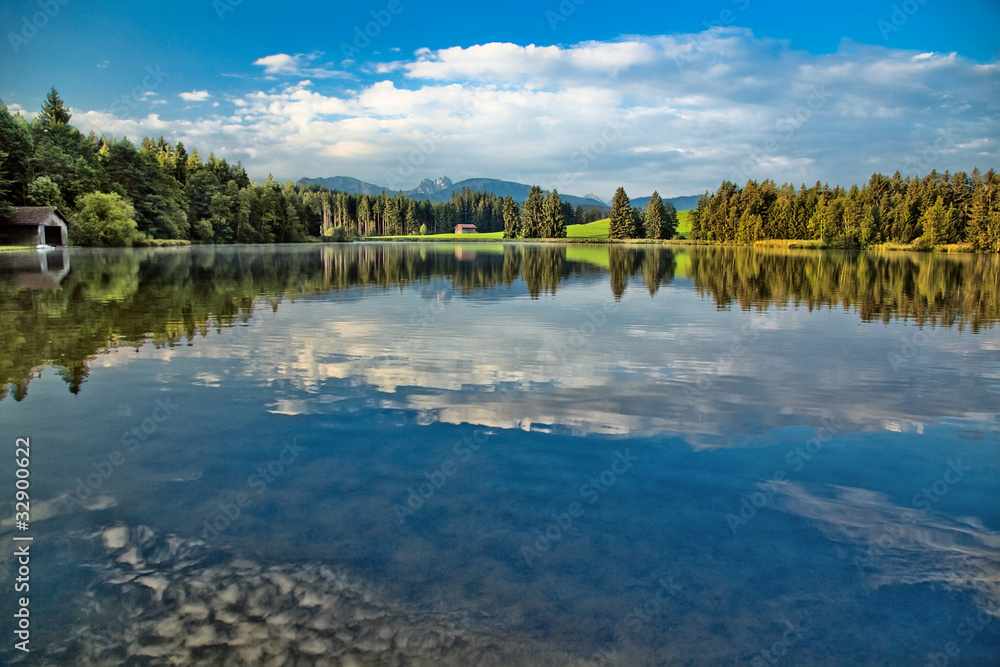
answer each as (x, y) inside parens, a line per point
(509, 454)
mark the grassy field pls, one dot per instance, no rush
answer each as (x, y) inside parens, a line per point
(13, 248)
(599, 229)
(594, 231)
(684, 223)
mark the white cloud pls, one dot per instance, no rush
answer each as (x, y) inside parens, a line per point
(676, 113)
(195, 96)
(279, 63)
(300, 65)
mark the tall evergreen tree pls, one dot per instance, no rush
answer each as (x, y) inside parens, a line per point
(555, 217)
(937, 224)
(621, 216)
(532, 214)
(53, 111)
(655, 221)
(180, 164)
(670, 221)
(638, 229)
(511, 218)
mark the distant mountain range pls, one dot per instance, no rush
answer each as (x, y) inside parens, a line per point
(686, 203)
(441, 190)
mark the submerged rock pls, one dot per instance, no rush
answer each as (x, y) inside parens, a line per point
(169, 601)
(115, 538)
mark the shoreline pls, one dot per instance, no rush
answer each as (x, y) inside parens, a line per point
(771, 244)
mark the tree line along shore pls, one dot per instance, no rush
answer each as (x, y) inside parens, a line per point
(117, 194)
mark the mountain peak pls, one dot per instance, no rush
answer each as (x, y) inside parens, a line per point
(442, 189)
(429, 187)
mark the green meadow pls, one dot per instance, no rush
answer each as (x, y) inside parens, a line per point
(591, 231)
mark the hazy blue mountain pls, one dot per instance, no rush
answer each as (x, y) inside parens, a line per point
(442, 189)
(519, 191)
(345, 184)
(686, 203)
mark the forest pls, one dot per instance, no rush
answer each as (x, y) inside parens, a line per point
(936, 210)
(115, 194)
(173, 194)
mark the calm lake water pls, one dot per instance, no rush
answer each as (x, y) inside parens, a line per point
(425, 454)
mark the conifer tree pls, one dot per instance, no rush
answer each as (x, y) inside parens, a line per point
(511, 218)
(655, 217)
(53, 111)
(554, 217)
(532, 214)
(621, 216)
(670, 221)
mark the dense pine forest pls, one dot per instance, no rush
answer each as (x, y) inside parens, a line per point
(938, 209)
(116, 194)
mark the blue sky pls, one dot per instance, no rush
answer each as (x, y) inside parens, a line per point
(582, 95)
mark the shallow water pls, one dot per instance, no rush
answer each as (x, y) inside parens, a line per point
(490, 454)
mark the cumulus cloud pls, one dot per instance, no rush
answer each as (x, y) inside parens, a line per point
(279, 63)
(195, 96)
(678, 113)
